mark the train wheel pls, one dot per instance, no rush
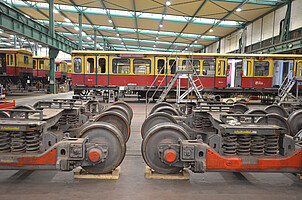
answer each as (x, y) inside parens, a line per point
(126, 106)
(166, 133)
(256, 111)
(275, 119)
(154, 119)
(276, 109)
(116, 119)
(24, 107)
(167, 109)
(4, 114)
(240, 108)
(104, 161)
(295, 121)
(120, 110)
(158, 105)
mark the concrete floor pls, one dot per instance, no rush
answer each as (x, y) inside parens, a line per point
(25, 184)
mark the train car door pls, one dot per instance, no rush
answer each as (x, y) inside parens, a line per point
(247, 73)
(2, 63)
(172, 64)
(160, 71)
(263, 73)
(102, 70)
(298, 72)
(208, 73)
(221, 68)
(90, 70)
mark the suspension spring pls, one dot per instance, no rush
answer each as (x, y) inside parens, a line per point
(229, 145)
(271, 145)
(257, 145)
(244, 144)
(33, 141)
(5, 142)
(18, 142)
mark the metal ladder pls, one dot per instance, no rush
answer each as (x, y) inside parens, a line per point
(286, 87)
(196, 84)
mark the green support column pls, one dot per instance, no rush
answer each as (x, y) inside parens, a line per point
(219, 45)
(80, 30)
(15, 42)
(95, 39)
(52, 52)
(284, 35)
(36, 48)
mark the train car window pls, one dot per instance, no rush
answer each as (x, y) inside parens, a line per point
(102, 65)
(141, 66)
(195, 63)
(77, 65)
(246, 68)
(41, 62)
(208, 68)
(57, 67)
(172, 64)
(261, 68)
(90, 65)
(121, 66)
(12, 60)
(64, 67)
(34, 64)
(25, 59)
(160, 66)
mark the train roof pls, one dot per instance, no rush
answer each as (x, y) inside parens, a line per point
(41, 57)
(201, 55)
(21, 51)
(60, 61)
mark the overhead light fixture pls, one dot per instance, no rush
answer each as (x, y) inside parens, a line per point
(26, 16)
(1, 32)
(120, 39)
(67, 20)
(89, 38)
(122, 42)
(39, 45)
(117, 34)
(76, 28)
(238, 10)
(55, 10)
(211, 30)
(168, 3)
(154, 45)
(160, 25)
(110, 21)
(11, 36)
(156, 38)
(195, 41)
(83, 33)
(186, 48)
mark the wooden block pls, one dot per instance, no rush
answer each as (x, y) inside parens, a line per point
(182, 175)
(80, 173)
(299, 176)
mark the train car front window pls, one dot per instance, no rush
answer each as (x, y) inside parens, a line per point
(208, 68)
(141, 66)
(25, 59)
(34, 64)
(120, 66)
(12, 60)
(172, 64)
(261, 68)
(57, 67)
(161, 66)
(41, 63)
(90, 65)
(77, 65)
(102, 65)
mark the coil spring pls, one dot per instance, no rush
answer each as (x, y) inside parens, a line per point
(271, 145)
(229, 145)
(257, 145)
(5, 143)
(18, 142)
(33, 141)
(201, 122)
(244, 144)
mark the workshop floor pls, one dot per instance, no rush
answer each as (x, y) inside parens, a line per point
(26, 184)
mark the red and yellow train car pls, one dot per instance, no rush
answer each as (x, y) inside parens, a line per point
(16, 67)
(69, 72)
(41, 68)
(61, 70)
(140, 69)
